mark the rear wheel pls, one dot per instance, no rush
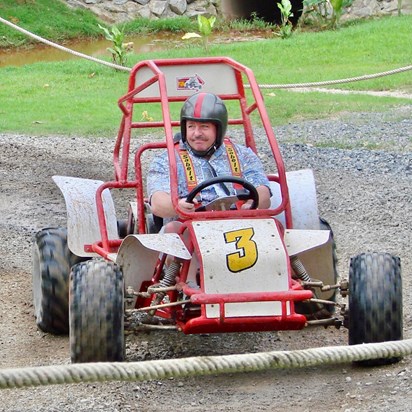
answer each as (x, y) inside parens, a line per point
(375, 301)
(52, 261)
(96, 312)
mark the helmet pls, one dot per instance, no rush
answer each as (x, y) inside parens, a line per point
(205, 107)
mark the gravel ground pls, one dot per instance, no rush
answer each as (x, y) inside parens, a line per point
(364, 189)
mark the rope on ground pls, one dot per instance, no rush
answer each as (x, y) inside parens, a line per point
(179, 368)
(199, 366)
(340, 81)
(263, 86)
(65, 49)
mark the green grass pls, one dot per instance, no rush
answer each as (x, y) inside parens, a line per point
(55, 21)
(80, 97)
(65, 98)
(173, 25)
(51, 19)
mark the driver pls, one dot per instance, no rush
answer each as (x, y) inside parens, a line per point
(204, 121)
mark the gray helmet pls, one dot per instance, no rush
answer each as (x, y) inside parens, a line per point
(205, 107)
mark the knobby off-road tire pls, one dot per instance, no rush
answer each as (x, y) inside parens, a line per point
(52, 261)
(375, 301)
(96, 312)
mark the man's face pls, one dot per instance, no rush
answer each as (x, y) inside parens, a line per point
(200, 135)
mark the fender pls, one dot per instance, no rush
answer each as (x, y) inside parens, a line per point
(82, 219)
(302, 195)
(314, 248)
(138, 254)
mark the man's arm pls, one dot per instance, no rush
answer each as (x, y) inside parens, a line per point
(264, 198)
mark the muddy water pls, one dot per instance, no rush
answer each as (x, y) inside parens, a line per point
(95, 48)
(98, 48)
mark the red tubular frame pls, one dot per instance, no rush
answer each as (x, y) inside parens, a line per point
(122, 146)
(244, 324)
(286, 321)
(200, 324)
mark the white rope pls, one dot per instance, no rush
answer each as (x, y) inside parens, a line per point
(65, 49)
(138, 371)
(179, 368)
(340, 81)
(263, 86)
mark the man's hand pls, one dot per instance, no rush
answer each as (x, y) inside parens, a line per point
(246, 205)
(188, 207)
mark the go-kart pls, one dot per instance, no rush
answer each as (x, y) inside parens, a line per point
(224, 268)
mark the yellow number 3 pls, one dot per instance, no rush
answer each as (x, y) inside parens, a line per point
(246, 255)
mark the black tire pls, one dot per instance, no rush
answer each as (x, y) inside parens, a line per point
(52, 261)
(96, 312)
(375, 301)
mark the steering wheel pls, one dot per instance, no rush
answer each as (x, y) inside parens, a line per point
(222, 202)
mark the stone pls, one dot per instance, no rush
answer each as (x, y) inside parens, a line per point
(115, 11)
(103, 15)
(145, 13)
(178, 6)
(201, 7)
(158, 7)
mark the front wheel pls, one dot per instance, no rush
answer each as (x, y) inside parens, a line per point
(52, 261)
(375, 301)
(96, 312)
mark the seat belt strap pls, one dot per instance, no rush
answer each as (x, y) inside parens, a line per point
(233, 158)
(190, 174)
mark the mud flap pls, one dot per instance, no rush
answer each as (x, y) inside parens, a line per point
(314, 249)
(82, 219)
(302, 195)
(138, 255)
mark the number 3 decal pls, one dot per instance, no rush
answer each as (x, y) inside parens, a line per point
(247, 253)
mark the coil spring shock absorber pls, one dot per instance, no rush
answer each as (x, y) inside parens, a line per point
(299, 269)
(303, 275)
(168, 279)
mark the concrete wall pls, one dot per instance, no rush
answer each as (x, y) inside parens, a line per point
(366, 8)
(117, 11)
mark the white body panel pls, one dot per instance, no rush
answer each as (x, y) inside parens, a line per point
(188, 79)
(138, 255)
(82, 221)
(302, 195)
(314, 250)
(242, 256)
(298, 241)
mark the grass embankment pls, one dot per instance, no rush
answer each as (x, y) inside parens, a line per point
(80, 97)
(51, 19)
(54, 20)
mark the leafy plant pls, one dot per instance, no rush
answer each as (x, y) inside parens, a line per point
(120, 49)
(399, 7)
(286, 26)
(338, 7)
(205, 26)
(326, 13)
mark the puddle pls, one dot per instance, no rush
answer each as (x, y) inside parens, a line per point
(95, 48)
(98, 48)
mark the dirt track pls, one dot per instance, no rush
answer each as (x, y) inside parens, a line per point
(367, 198)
